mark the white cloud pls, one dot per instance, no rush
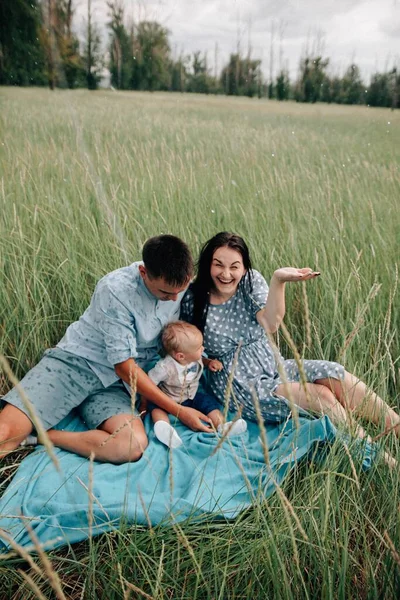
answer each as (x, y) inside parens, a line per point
(390, 25)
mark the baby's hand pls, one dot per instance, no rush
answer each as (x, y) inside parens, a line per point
(215, 365)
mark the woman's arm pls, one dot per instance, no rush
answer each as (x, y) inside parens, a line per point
(271, 316)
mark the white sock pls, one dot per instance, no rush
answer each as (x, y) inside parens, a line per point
(30, 440)
(167, 435)
(232, 428)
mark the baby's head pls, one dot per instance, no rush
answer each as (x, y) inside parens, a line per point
(182, 341)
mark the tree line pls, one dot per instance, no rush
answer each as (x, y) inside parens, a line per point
(38, 46)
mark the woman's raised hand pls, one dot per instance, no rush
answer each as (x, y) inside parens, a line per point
(286, 274)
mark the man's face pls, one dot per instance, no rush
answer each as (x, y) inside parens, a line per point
(160, 288)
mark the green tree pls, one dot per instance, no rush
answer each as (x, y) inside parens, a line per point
(312, 79)
(179, 73)
(384, 89)
(241, 76)
(379, 90)
(353, 89)
(332, 90)
(151, 57)
(395, 88)
(283, 86)
(199, 80)
(22, 60)
(271, 91)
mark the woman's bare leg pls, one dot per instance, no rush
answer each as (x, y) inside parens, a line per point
(318, 399)
(357, 398)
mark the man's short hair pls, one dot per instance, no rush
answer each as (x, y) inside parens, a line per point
(174, 335)
(168, 257)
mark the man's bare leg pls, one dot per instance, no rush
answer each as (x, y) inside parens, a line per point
(14, 427)
(118, 440)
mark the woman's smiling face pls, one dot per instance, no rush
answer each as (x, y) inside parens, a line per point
(227, 270)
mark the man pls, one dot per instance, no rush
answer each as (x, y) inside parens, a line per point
(114, 343)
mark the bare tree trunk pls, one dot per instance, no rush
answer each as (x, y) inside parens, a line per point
(69, 18)
(271, 62)
(259, 78)
(118, 53)
(248, 74)
(182, 75)
(89, 44)
(50, 53)
(216, 61)
(282, 27)
(237, 60)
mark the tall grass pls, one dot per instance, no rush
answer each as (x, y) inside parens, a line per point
(86, 178)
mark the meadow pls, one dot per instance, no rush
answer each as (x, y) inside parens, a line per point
(86, 178)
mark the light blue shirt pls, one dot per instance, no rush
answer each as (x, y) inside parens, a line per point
(123, 320)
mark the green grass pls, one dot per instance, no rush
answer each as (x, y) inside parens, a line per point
(86, 178)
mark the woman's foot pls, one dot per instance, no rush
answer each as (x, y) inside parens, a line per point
(232, 428)
(167, 435)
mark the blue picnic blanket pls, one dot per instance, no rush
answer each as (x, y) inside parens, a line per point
(198, 481)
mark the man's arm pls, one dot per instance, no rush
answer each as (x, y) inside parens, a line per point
(129, 370)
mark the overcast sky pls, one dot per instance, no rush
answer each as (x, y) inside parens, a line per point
(364, 31)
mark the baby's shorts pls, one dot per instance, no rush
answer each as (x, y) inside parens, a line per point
(203, 402)
(60, 382)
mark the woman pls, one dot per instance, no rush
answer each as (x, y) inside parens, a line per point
(232, 305)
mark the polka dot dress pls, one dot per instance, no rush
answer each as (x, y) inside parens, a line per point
(256, 374)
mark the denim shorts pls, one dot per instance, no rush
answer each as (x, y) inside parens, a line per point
(205, 403)
(62, 381)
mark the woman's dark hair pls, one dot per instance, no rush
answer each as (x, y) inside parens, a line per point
(168, 257)
(203, 283)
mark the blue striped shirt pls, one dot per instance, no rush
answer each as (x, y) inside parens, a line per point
(123, 320)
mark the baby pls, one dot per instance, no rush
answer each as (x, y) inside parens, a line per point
(178, 375)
